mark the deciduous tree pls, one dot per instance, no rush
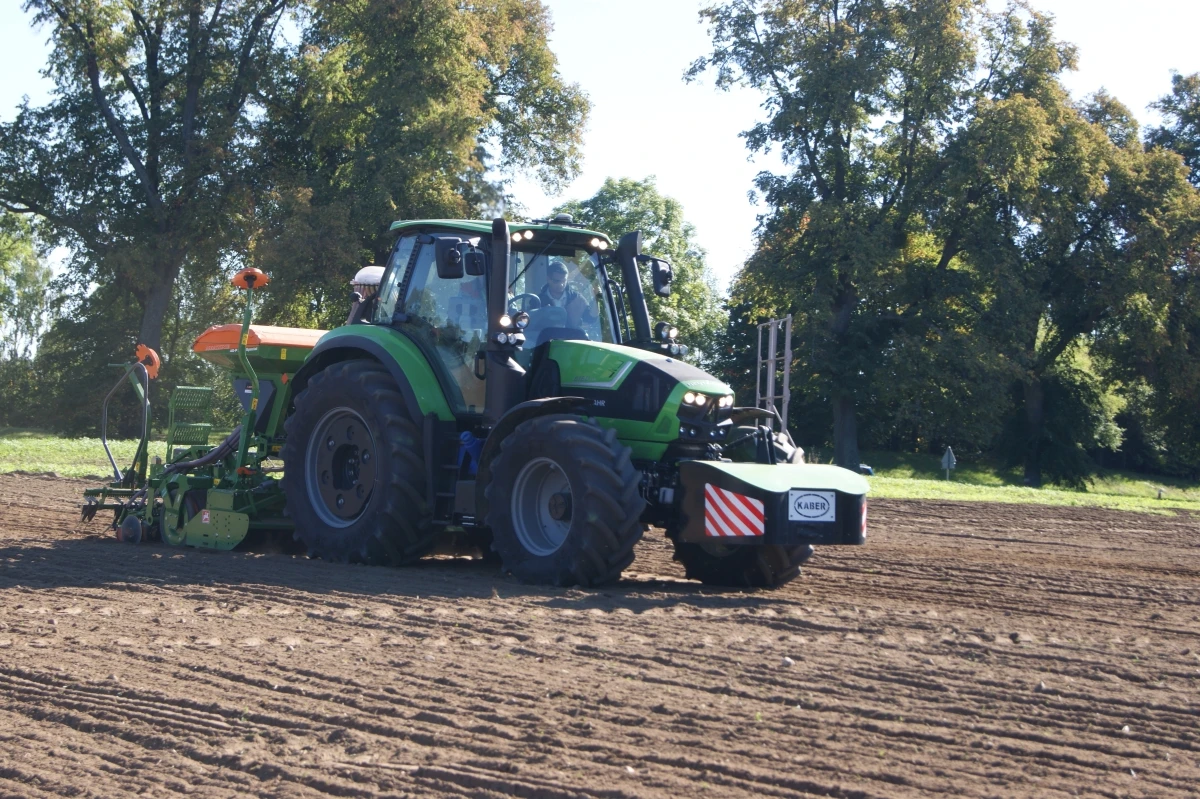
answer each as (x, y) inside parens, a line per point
(395, 109)
(136, 162)
(863, 98)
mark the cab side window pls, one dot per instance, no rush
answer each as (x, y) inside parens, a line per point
(450, 317)
(389, 292)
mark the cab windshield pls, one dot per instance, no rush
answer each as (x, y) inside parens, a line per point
(562, 289)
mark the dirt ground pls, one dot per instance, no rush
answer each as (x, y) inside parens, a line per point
(967, 650)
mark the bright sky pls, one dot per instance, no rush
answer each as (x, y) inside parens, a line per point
(630, 55)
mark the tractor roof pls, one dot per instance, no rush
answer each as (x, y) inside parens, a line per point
(484, 227)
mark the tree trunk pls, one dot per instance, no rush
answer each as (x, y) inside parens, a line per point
(157, 302)
(845, 433)
(845, 426)
(1035, 413)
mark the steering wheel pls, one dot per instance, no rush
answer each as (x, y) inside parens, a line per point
(528, 302)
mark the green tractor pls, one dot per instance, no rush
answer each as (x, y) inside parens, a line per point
(503, 384)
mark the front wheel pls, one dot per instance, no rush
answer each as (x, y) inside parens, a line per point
(563, 502)
(740, 566)
(354, 476)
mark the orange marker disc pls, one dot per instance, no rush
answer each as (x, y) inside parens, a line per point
(250, 278)
(148, 358)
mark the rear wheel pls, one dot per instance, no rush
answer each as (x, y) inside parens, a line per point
(563, 502)
(355, 479)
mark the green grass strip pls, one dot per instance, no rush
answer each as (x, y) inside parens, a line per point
(67, 457)
(910, 488)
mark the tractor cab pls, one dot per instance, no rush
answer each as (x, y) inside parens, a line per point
(442, 290)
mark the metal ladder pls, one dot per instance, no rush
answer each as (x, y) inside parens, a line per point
(766, 375)
(197, 402)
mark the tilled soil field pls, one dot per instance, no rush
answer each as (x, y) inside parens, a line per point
(967, 650)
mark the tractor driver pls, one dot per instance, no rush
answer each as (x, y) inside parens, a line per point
(557, 293)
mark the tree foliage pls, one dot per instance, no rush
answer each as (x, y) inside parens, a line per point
(952, 222)
(187, 137)
(402, 109)
(623, 205)
(137, 163)
(24, 311)
(1181, 114)
(24, 278)
(862, 100)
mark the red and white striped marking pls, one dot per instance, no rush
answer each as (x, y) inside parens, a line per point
(730, 515)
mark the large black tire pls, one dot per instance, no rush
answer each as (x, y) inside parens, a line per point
(563, 502)
(745, 565)
(739, 566)
(354, 474)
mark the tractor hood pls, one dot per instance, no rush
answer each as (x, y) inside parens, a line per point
(638, 382)
(635, 391)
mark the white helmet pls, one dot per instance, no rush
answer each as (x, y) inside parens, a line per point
(366, 280)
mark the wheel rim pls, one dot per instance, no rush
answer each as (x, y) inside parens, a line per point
(541, 507)
(340, 467)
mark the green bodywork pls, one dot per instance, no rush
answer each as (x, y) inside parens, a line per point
(227, 518)
(406, 354)
(484, 229)
(596, 367)
(781, 477)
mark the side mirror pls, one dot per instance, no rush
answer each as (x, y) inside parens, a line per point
(662, 275)
(449, 258)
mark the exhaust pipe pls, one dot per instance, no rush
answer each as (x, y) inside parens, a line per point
(505, 377)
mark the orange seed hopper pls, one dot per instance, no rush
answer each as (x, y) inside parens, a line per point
(270, 349)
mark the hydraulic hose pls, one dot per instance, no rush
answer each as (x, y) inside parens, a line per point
(219, 452)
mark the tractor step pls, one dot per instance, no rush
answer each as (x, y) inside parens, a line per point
(442, 465)
(190, 434)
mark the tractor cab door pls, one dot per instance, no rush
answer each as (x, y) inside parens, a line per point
(446, 317)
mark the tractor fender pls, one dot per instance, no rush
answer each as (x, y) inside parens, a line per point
(508, 422)
(346, 348)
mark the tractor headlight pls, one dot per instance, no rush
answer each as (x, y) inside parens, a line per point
(506, 321)
(689, 398)
(512, 338)
(528, 234)
(603, 245)
(673, 333)
(516, 237)
(674, 349)
(501, 338)
(725, 402)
